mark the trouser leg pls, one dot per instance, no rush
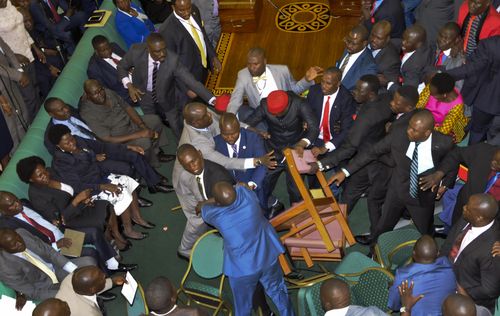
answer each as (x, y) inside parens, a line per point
(391, 213)
(274, 284)
(480, 124)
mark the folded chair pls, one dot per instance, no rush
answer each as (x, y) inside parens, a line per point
(394, 248)
(138, 307)
(316, 228)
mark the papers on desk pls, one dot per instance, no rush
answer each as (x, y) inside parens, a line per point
(130, 288)
(8, 307)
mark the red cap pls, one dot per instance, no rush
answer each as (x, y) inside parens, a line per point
(222, 101)
(277, 101)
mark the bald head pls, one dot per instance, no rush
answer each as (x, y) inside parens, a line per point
(197, 115)
(224, 193)
(420, 126)
(89, 83)
(383, 26)
(425, 250)
(480, 210)
(380, 35)
(160, 295)
(424, 116)
(88, 280)
(228, 121)
(361, 31)
(335, 293)
(413, 38)
(458, 305)
(52, 307)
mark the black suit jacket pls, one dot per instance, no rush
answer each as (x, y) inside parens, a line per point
(341, 113)
(396, 144)
(413, 70)
(482, 76)
(368, 129)
(476, 270)
(182, 43)
(214, 173)
(388, 62)
(392, 11)
(106, 74)
(170, 71)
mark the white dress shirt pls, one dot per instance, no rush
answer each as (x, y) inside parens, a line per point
(42, 222)
(472, 234)
(337, 312)
(72, 124)
(424, 154)
(266, 86)
(68, 267)
(329, 145)
(111, 61)
(92, 298)
(151, 65)
(351, 61)
(406, 56)
(230, 152)
(200, 177)
(187, 25)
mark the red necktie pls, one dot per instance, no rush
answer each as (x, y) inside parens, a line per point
(467, 33)
(439, 61)
(325, 122)
(56, 15)
(458, 242)
(116, 61)
(40, 228)
(372, 12)
(400, 79)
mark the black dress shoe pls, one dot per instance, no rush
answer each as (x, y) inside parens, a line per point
(106, 297)
(163, 157)
(161, 188)
(275, 210)
(123, 267)
(164, 181)
(144, 202)
(364, 239)
(144, 235)
(148, 225)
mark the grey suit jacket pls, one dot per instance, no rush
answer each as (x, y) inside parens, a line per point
(355, 310)
(79, 305)
(246, 87)
(169, 72)
(24, 277)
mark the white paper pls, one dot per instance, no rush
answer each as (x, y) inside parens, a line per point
(8, 307)
(130, 288)
(121, 201)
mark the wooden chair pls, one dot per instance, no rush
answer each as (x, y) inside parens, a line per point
(316, 228)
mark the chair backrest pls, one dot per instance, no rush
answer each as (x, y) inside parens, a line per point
(395, 248)
(372, 288)
(207, 255)
(7, 291)
(353, 264)
(139, 306)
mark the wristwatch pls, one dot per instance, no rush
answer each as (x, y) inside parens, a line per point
(402, 309)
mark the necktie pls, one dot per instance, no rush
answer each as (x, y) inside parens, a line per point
(200, 186)
(235, 150)
(325, 122)
(440, 59)
(491, 182)
(470, 43)
(116, 61)
(155, 73)
(414, 173)
(259, 78)
(42, 266)
(39, 227)
(83, 130)
(372, 12)
(458, 242)
(344, 64)
(197, 40)
(55, 15)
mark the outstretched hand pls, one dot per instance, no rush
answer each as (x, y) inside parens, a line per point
(406, 294)
(337, 178)
(431, 181)
(269, 160)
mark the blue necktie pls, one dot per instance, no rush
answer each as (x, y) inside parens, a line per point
(235, 150)
(491, 182)
(414, 173)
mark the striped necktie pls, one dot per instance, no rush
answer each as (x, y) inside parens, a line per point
(414, 173)
(155, 73)
(470, 43)
(42, 266)
(344, 64)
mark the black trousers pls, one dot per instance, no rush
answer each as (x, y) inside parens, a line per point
(374, 179)
(394, 206)
(272, 177)
(171, 114)
(480, 123)
(127, 162)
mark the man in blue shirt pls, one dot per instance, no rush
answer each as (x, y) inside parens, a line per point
(432, 277)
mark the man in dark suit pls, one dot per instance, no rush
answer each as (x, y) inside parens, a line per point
(195, 184)
(185, 35)
(156, 70)
(432, 15)
(234, 141)
(483, 163)
(24, 264)
(416, 56)
(385, 53)
(334, 108)
(356, 60)
(416, 151)
(468, 247)
(369, 128)
(285, 113)
(103, 65)
(390, 10)
(482, 86)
